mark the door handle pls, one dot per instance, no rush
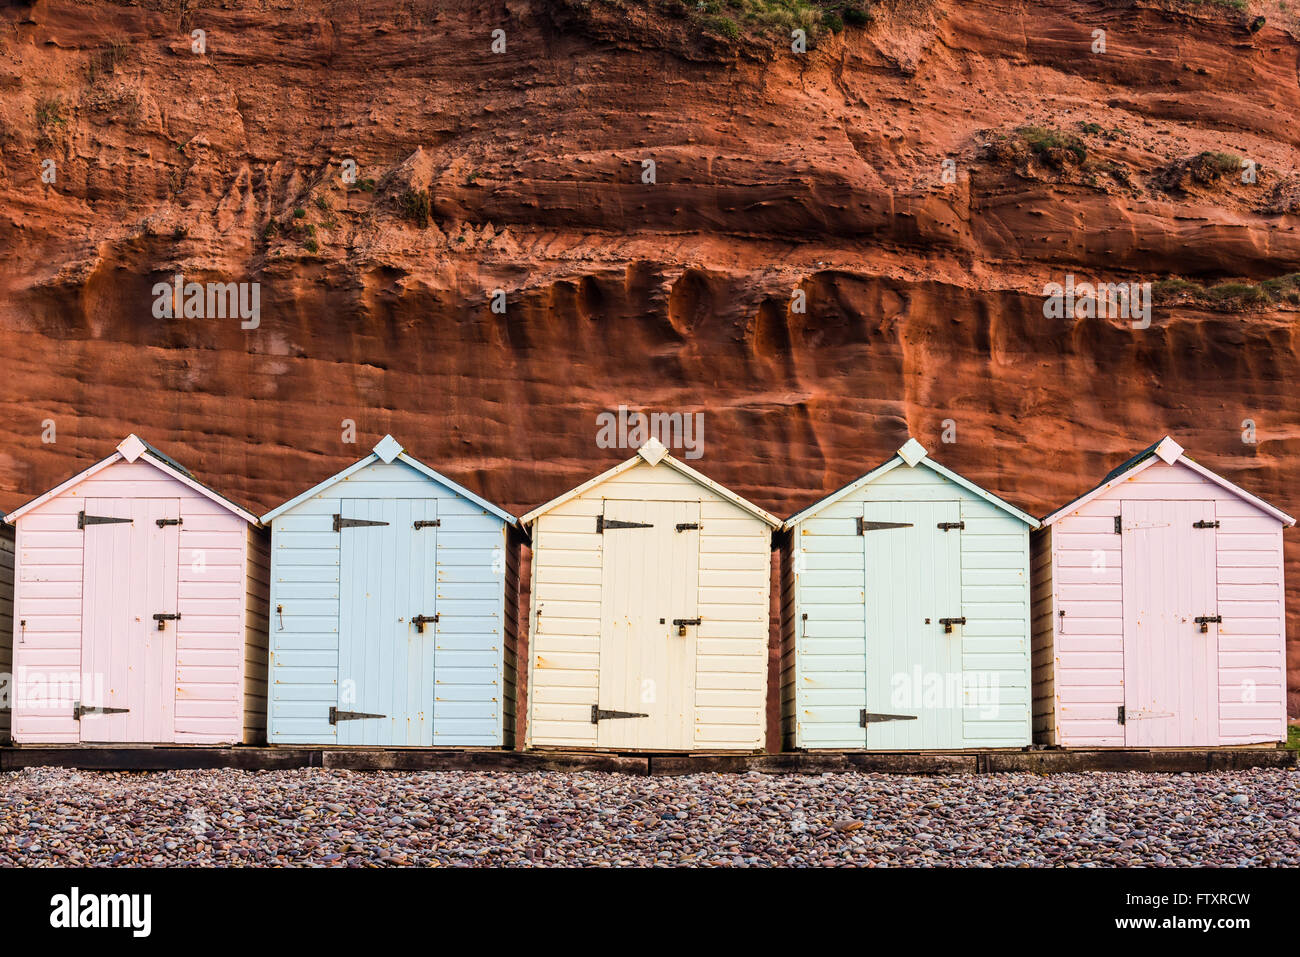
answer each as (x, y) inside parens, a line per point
(681, 624)
(162, 620)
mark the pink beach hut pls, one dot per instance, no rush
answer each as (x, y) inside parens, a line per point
(1159, 611)
(139, 609)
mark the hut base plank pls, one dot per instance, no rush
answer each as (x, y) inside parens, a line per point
(1173, 760)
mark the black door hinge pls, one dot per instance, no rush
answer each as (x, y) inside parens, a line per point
(1121, 718)
(866, 717)
(948, 526)
(1205, 524)
(419, 621)
(428, 523)
(83, 520)
(336, 715)
(864, 526)
(164, 522)
(598, 715)
(1205, 620)
(1119, 524)
(79, 710)
(949, 622)
(341, 523)
(603, 523)
(162, 618)
(687, 526)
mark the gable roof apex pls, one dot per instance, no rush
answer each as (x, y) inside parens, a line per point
(667, 459)
(1171, 453)
(1168, 450)
(897, 461)
(131, 448)
(653, 451)
(135, 449)
(912, 452)
(389, 446)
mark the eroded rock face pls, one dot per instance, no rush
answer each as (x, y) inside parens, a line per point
(822, 173)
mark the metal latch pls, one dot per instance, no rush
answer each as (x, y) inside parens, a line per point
(603, 523)
(336, 715)
(1205, 524)
(1204, 622)
(949, 622)
(83, 520)
(162, 618)
(428, 523)
(598, 715)
(948, 526)
(80, 710)
(866, 717)
(419, 621)
(686, 526)
(681, 624)
(341, 523)
(864, 526)
(164, 522)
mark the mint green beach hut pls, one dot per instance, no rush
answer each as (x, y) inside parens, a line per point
(906, 614)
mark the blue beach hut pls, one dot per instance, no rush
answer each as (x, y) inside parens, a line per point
(392, 611)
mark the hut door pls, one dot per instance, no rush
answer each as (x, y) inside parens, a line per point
(130, 550)
(650, 559)
(387, 622)
(1170, 665)
(914, 675)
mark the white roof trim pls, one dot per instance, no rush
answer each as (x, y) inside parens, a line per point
(1165, 447)
(665, 459)
(894, 463)
(1259, 503)
(1087, 497)
(399, 456)
(141, 454)
(294, 502)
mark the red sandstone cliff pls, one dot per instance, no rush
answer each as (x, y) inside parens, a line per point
(522, 171)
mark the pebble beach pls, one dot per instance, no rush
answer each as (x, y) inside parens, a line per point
(334, 818)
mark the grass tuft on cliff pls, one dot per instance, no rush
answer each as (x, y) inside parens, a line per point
(1230, 296)
(1053, 146)
(754, 27)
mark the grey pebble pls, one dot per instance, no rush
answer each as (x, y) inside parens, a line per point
(324, 817)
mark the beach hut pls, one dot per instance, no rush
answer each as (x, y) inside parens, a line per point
(650, 590)
(139, 609)
(1159, 611)
(393, 610)
(906, 614)
(6, 624)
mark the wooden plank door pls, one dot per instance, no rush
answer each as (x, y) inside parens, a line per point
(128, 665)
(1170, 666)
(387, 577)
(913, 667)
(649, 577)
